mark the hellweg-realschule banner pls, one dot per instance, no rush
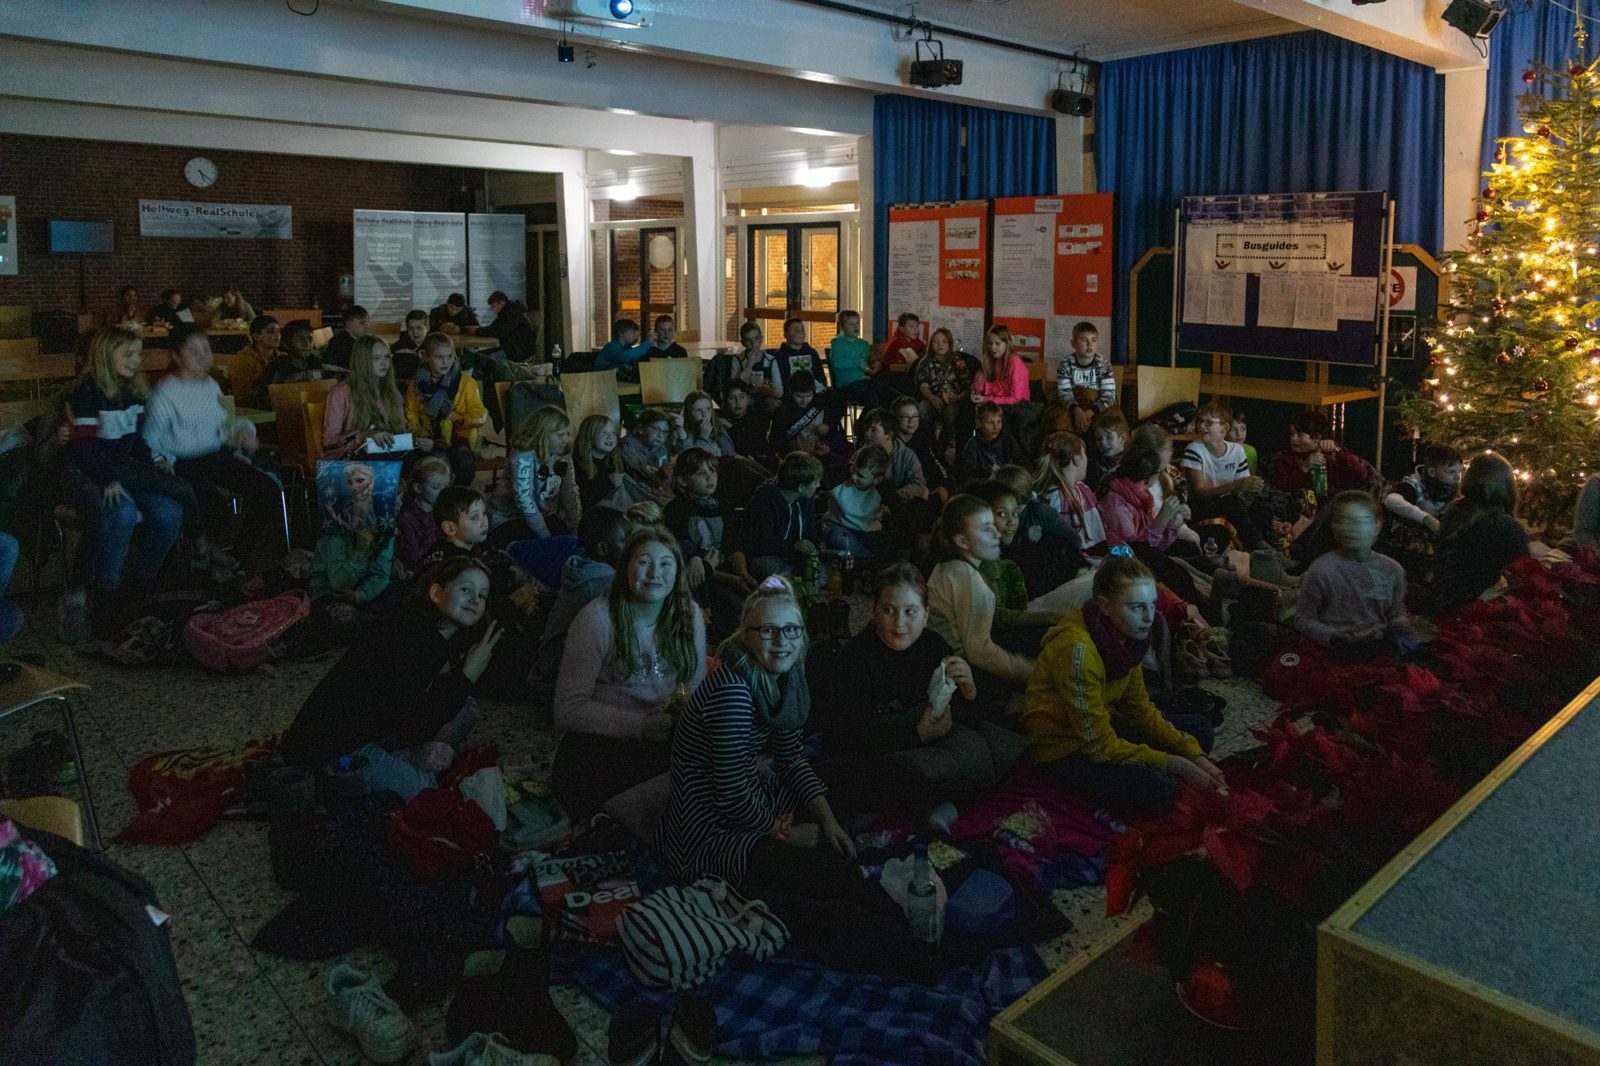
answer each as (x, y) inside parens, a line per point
(188, 218)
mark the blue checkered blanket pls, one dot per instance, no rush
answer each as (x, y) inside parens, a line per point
(780, 1008)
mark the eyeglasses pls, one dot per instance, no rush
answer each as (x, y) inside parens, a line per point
(770, 632)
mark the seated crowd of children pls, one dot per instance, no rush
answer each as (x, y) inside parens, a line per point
(652, 584)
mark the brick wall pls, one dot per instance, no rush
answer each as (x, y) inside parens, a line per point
(58, 178)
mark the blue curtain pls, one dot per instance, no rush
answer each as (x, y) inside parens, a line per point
(1527, 35)
(1305, 112)
(919, 156)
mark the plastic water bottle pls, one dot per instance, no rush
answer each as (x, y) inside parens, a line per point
(1319, 479)
(555, 362)
(923, 912)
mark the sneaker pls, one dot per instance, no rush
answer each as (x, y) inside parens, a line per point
(939, 820)
(358, 1008)
(508, 993)
(489, 1049)
(634, 1036)
(692, 1039)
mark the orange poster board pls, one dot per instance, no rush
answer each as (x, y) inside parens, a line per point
(1052, 269)
(939, 268)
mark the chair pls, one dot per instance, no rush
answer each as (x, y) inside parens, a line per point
(385, 328)
(288, 401)
(16, 320)
(668, 380)
(1158, 387)
(592, 393)
(286, 317)
(321, 336)
(53, 814)
(33, 687)
(314, 412)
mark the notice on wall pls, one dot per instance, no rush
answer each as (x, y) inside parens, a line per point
(497, 259)
(8, 234)
(1053, 272)
(939, 269)
(1282, 275)
(385, 263)
(440, 242)
(187, 218)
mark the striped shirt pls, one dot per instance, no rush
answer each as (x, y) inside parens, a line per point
(104, 431)
(725, 797)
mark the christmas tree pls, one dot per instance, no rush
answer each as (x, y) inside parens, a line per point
(1516, 368)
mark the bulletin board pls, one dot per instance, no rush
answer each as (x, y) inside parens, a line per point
(939, 268)
(1282, 275)
(1052, 270)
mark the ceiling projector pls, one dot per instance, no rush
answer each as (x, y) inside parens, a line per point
(619, 14)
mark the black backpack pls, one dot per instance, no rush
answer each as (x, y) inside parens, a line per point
(86, 975)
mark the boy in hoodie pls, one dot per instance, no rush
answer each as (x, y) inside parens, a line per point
(990, 448)
(854, 522)
(782, 516)
(601, 533)
(719, 577)
(1415, 504)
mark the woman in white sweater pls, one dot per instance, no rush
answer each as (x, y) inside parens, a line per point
(191, 434)
(631, 658)
(961, 605)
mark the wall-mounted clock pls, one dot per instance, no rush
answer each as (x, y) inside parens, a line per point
(201, 172)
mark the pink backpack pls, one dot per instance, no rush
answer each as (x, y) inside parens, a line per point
(239, 639)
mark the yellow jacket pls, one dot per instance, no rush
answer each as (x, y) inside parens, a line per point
(468, 411)
(1070, 708)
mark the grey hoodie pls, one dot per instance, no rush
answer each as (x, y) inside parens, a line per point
(582, 579)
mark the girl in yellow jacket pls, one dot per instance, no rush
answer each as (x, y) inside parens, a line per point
(1089, 721)
(444, 408)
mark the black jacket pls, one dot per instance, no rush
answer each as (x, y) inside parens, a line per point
(510, 327)
(775, 524)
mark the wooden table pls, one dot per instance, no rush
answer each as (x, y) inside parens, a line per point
(1303, 393)
(256, 416)
(462, 340)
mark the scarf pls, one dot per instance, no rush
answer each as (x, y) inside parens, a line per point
(438, 397)
(780, 702)
(1120, 655)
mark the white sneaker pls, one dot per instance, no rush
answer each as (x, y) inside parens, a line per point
(358, 1008)
(490, 1049)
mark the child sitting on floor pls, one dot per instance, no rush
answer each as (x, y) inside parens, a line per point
(463, 520)
(1238, 432)
(991, 446)
(600, 476)
(1353, 598)
(1108, 439)
(1085, 379)
(1479, 536)
(1418, 501)
(854, 522)
(644, 451)
(1129, 509)
(416, 530)
(745, 426)
(585, 576)
(541, 492)
(1060, 479)
(782, 516)
(719, 578)
(444, 408)
(800, 423)
(1043, 546)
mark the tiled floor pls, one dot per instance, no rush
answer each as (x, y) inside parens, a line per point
(250, 1008)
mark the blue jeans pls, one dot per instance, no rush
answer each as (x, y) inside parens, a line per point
(105, 549)
(1126, 788)
(10, 613)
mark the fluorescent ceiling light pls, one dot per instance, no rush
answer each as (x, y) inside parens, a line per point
(818, 177)
(629, 191)
(619, 151)
(813, 132)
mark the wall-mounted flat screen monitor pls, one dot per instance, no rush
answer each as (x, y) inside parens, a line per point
(82, 237)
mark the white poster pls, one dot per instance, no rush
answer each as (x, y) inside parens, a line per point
(913, 268)
(1196, 290)
(1225, 300)
(1024, 267)
(1275, 308)
(186, 218)
(497, 259)
(385, 263)
(1358, 298)
(961, 234)
(8, 234)
(1316, 302)
(964, 323)
(440, 265)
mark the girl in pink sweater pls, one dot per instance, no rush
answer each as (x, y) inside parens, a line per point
(1004, 377)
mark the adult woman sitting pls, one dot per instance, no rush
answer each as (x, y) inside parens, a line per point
(896, 738)
(367, 405)
(1089, 721)
(730, 811)
(231, 306)
(628, 656)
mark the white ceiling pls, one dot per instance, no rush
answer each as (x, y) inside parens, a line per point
(1101, 30)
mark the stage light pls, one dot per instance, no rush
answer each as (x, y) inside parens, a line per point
(621, 9)
(936, 71)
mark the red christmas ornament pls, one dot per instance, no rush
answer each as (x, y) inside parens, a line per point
(1504, 358)
(1541, 385)
(1483, 216)
(1577, 70)
(1528, 76)
(1488, 193)
(1572, 344)
(1544, 131)
(1500, 154)
(1497, 305)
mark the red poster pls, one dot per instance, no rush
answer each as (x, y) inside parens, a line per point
(939, 268)
(1052, 270)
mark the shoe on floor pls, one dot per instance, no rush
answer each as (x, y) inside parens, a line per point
(490, 1049)
(692, 1039)
(507, 992)
(358, 1008)
(634, 1036)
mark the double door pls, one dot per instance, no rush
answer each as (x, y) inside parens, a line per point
(794, 272)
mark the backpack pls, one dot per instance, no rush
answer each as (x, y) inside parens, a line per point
(239, 639)
(86, 970)
(680, 936)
